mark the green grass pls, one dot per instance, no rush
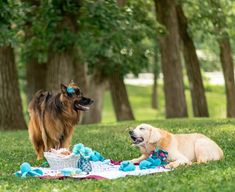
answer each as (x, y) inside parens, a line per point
(112, 141)
(140, 98)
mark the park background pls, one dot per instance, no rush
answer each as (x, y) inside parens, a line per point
(165, 62)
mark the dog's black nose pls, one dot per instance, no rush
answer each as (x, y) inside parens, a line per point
(131, 132)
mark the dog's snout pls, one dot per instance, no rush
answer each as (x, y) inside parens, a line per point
(131, 132)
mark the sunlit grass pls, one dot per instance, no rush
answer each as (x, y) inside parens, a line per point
(111, 139)
(140, 99)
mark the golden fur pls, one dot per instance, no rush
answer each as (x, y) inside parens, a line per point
(183, 149)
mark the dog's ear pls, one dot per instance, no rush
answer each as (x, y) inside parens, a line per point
(154, 136)
(63, 88)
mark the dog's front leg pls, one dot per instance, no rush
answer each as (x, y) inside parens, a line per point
(141, 158)
(179, 159)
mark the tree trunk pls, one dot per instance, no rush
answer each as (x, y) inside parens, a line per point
(11, 114)
(228, 71)
(154, 92)
(96, 90)
(226, 58)
(61, 62)
(80, 73)
(121, 104)
(170, 59)
(60, 69)
(193, 68)
(35, 77)
(156, 71)
(120, 99)
(35, 71)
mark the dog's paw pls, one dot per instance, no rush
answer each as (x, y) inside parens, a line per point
(172, 165)
(176, 164)
(134, 161)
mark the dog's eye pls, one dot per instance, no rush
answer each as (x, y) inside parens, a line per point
(77, 91)
(142, 128)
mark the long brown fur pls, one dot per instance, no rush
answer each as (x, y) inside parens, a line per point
(52, 120)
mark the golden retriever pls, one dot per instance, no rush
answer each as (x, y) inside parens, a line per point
(183, 149)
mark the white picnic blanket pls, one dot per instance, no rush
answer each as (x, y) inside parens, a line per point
(102, 171)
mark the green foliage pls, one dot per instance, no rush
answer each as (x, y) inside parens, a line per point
(11, 15)
(112, 37)
(49, 27)
(208, 21)
(112, 141)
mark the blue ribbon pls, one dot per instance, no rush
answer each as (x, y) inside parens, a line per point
(70, 90)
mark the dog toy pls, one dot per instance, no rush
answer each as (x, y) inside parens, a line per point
(85, 152)
(26, 170)
(157, 158)
(160, 154)
(145, 165)
(127, 166)
(70, 171)
(96, 156)
(78, 148)
(154, 162)
(149, 163)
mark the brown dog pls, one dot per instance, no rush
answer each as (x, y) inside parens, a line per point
(53, 116)
(183, 149)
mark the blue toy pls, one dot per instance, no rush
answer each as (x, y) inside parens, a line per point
(145, 165)
(96, 156)
(157, 158)
(70, 171)
(154, 162)
(26, 170)
(87, 155)
(127, 166)
(160, 154)
(80, 149)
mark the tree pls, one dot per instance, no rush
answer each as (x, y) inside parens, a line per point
(62, 49)
(219, 22)
(170, 59)
(96, 90)
(199, 102)
(11, 114)
(156, 72)
(54, 40)
(114, 36)
(215, 22)
(121, 104)
(80, 72)
(35, 68)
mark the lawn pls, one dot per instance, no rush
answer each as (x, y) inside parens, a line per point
(140, 98)
(111, 139)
